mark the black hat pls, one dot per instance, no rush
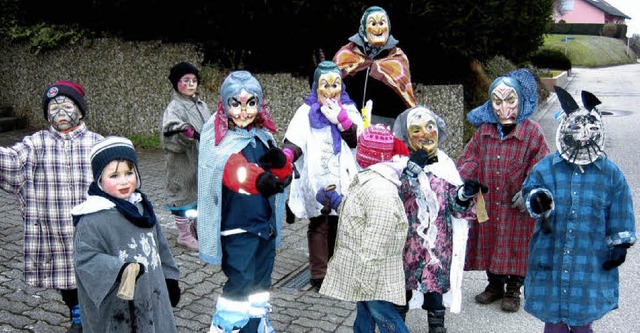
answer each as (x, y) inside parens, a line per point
(64, 88)
(180, 70)
(109, 149)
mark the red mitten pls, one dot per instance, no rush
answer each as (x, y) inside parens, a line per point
(285, 171)
(240, 176)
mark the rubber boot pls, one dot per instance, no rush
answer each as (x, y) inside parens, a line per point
(185, 237)
(76, 322)
(511, 300)
(193, 228)
(436, 321)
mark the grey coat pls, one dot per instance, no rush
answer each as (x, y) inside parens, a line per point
(180, 152)
(104, 242)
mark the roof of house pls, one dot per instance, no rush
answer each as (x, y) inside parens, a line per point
(607, 8)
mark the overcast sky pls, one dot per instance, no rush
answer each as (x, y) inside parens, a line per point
(630, 8)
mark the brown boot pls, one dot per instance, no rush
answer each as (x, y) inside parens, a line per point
(511, 301)
(490, 294)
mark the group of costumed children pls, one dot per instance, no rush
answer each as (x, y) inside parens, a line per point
(393, 220)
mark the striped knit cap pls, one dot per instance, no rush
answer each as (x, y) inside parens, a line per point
(109, 149)
(375, 145)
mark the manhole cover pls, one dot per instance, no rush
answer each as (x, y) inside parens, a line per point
(296, 281)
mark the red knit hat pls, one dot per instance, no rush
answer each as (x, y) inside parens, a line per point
(65, 88)
(377, 144)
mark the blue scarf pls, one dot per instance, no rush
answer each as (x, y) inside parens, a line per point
(145, 220)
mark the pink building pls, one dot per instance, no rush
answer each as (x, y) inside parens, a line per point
(588, 11)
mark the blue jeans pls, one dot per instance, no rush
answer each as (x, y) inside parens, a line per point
(380, 313)
(247, 262)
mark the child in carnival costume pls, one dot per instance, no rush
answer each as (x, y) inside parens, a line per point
(376, 69)
(182, 123)
(502, 151)
(439, 205)
(118, 234)
(241, 179)
(49, 172)
(584, 208)
(320, 139)
(367, 265)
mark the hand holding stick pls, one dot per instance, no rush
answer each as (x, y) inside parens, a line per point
(326, 209)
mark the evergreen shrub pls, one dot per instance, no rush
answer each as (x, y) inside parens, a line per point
(553, 59)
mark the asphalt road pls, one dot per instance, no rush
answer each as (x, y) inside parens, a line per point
(27, 309)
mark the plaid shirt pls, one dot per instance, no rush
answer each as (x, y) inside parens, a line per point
(593, 212)
(50, 173)
(367, 262)
(501, 243)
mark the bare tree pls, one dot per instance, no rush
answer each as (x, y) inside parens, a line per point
(634, 44)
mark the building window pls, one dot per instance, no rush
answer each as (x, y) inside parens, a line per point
(566, 5)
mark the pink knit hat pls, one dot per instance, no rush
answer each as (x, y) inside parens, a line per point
(377, 144)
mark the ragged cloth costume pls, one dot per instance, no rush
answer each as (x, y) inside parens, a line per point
(376, 72)
(238, 229)
(323, 155)
(501, 155)
(434, 251)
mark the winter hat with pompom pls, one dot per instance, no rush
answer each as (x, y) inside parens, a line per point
(110, 149)
(377, 144)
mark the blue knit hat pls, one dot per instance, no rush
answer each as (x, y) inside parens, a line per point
(109, 149)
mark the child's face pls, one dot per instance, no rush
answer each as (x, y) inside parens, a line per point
(63, 114)
(188, 84)
(119, 179)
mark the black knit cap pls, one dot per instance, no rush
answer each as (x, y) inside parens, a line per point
(109, 149)
(64, 88)
(180, 70)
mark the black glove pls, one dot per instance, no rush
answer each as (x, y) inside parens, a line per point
(419, 157)
(540, 202)
(174, 291)
(274, 158)
(617, 256)
(471, 187)
(268, 184)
